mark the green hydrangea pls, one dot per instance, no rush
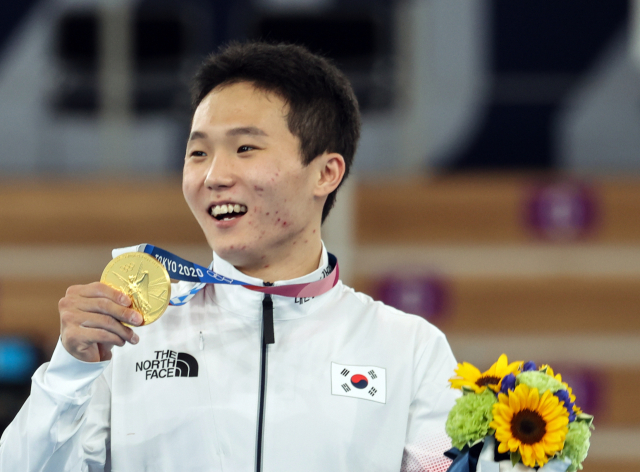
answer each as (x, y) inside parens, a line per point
(539, 380)
(576, 445)
(469, 419)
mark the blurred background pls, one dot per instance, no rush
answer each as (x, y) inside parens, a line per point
(496, 190)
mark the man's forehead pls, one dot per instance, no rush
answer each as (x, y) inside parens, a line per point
(236, 131)
(250, 86)
(245, 93)
(240, 109)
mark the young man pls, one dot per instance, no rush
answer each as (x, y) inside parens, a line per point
(336, 382)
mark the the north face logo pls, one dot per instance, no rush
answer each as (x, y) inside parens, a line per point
(169, 364)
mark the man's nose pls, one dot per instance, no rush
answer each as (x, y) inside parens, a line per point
(220, 173)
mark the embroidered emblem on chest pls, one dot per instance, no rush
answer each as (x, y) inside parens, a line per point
(166, 364)
(359, 381)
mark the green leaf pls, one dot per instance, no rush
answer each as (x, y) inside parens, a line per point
(515, 458)
(467, 390)
(470, 444)
(586, 418)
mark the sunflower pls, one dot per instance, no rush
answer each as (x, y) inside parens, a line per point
(529, 424)
(469, 377)
(549, 371)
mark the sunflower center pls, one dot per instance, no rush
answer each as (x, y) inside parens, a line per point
(487, 380)
(528, 426)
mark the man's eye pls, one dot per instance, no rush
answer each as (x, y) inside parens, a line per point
(198, 154)
(245, 148)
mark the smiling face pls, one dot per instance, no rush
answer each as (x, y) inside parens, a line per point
(245, 182)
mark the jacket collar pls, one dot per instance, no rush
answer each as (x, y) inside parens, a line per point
(248, 303)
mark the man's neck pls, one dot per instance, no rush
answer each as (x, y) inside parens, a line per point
(296, 262)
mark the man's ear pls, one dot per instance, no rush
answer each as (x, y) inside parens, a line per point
(331, 169)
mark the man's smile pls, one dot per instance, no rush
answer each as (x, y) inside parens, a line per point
(227, 211)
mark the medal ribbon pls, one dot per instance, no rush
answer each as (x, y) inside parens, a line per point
(181, 269)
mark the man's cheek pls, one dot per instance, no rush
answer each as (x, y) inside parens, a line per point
(192, 202)
(188, 198)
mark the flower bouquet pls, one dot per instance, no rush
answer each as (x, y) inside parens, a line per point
(515, 417)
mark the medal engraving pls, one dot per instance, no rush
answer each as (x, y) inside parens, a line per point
(143, 279)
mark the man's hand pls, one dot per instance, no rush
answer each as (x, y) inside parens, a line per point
(90, 317)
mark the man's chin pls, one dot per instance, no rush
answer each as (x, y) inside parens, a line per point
(236, 255)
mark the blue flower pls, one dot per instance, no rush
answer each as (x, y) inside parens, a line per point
(508, 383)
(529, 366)
(563, 396)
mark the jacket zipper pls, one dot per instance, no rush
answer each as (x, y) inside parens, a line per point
(268, 337)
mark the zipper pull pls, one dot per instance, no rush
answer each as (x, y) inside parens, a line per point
(201, 341)
(268, 336)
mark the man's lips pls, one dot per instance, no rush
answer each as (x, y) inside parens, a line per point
(227, 211)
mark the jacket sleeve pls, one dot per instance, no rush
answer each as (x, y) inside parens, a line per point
(64, 424)
(426, 440)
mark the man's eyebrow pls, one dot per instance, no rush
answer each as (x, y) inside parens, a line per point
(250, 130)
(197, 135)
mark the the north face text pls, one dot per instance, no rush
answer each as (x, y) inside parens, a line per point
(168, 364)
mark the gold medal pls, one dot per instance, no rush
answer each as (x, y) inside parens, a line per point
(143, 279)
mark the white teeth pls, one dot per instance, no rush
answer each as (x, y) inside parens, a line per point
(227, 208)
(227, 219)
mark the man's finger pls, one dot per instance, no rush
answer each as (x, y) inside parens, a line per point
(105, 306)
(109, 324)
(102, 336)
(100, 290)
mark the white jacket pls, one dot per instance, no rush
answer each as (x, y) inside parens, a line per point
(351, 384)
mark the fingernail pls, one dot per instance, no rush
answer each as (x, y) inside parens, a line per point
(135, 339)
(136, 318)
(124, 300)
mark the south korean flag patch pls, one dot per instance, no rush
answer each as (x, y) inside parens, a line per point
(359, 381)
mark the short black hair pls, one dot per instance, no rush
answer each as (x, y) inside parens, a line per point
(323, 109)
